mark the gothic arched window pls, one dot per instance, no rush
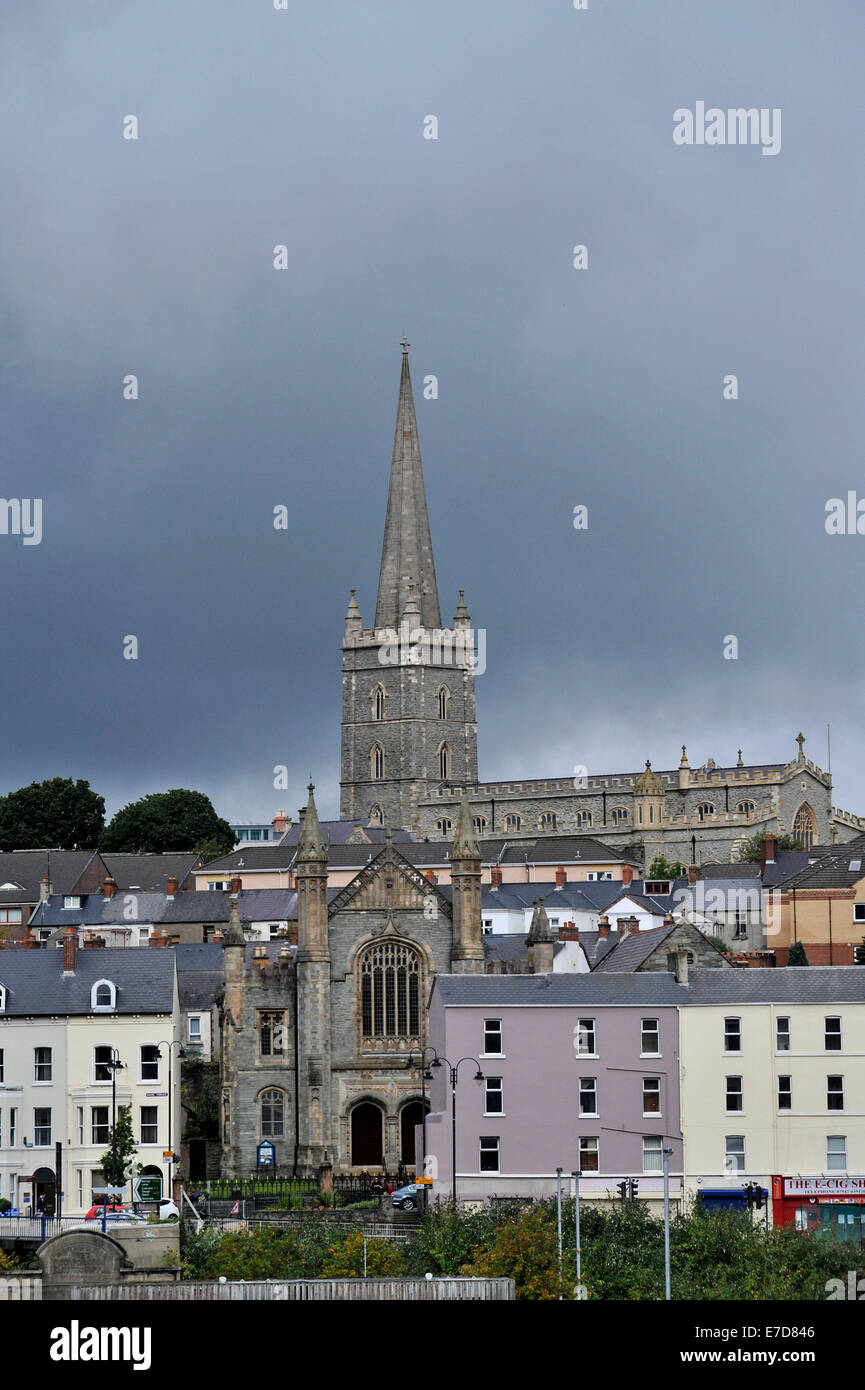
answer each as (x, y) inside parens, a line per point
(444, 702)
(390, 991)
(584, 820)
(376, 759)
(444, 762)
(744, 808)
(272, 1114)
(444, 825)
(376, 816)
(548, 820)
(705, 810)
(619, 815)
(513, 822)
(805, 825)
(479, 823)
(378, 702)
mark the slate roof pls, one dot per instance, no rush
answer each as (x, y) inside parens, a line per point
(254, 905)
(36, 984)
(337, 832)
(28, 867)
(200, 974)
(149, 872)
(632, 950)
(815, 984)
(505, 946)
(581, 896)
(842, 869)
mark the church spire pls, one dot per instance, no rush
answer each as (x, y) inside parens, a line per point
(406, 553)
(311, 841)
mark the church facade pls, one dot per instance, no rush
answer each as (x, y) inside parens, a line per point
(409, 731)
(321, 1046)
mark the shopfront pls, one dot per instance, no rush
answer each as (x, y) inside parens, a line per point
(834, 1207)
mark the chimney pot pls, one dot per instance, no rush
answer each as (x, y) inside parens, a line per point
(768, 846)
(171, 886)
(603, 925)
(109, 888)
(70, 943)
(236, 884)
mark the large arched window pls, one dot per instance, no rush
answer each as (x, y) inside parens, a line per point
(376, 762)
(444, 699)
(705, 810)
(103, 995)
(390, 991)
(444, 762)
(378, 702)
(376, 816)
(805, 825)
(272, 1114)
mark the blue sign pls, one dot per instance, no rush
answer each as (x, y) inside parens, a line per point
(266, 1154)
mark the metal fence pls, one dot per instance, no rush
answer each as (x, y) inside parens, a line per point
(305, 1290)
(41, 1227)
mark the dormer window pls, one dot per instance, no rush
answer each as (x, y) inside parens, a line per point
(72, 901)
(103, 996)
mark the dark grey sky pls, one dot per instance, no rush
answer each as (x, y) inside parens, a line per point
(557, 387)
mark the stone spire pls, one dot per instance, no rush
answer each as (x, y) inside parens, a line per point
(540, 929)
(465, 845)
(540, 941)
(406, 553)
(233, 935)
(311, 843)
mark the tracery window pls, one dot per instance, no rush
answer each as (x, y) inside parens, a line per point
(390, 980)
(376, 758)
(272, 1114)
(378, 702)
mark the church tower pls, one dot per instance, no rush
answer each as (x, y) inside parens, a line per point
(313, 993)
(408, 685)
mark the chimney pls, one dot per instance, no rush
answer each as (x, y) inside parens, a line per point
(768, 845)
(278, 824)
(569, 931)
(236, 884)
(91, 940)
(603, 925)
(70, 942)
(29, 942)
(668, 919)
(495, 876)
(693, 873)
(109, 888)
(633, 926)
(627, 874)
(677, 964)
(561, 877)
(171, 886)
(429, 875)
(45, 890)
(259, 955)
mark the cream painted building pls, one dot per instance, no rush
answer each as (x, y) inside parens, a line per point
(772, 1080)
(65, 1015)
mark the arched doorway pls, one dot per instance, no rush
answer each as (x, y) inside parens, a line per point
(44, 1196)
(411, 1116)
(367, 1148)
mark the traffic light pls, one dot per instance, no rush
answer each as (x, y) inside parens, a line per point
(633, 1188)
(622, 1188)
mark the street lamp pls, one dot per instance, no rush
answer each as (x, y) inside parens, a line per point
(425, 1076)
(667, 1294)
(181, 1053)
(454, 1070)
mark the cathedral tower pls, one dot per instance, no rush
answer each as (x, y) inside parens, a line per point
(408, 689)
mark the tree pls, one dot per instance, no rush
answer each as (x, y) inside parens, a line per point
(118, 1162)
(720, 943)
(210, 849)
(166, 821)
(56, 814)
(859, 953)
(797, 954)
(661, 868)
(750, 851)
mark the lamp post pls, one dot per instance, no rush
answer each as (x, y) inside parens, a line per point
(667, 1294)
(181, 1053)
(425, 1076)
(454, 1071)
(115, 1066)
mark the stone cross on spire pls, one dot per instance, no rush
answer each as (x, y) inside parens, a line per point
(406, 553)
(800, 739)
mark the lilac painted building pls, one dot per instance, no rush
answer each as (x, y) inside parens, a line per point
(579, 1071)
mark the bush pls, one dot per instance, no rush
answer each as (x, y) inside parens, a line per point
(345, 1259)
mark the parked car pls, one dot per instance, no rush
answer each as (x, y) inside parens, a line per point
(406, 1198)
(168, 1210)
(115, 1216)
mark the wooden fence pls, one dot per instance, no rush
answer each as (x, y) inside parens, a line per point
(304, 1290)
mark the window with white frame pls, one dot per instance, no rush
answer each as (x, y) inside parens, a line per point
(103, 996)
(149, 1062)
(99, 1124)
(489, 1153)
(13, 1128)
(79, 1186)
(832, 1034)
(42, 1128)
(650, 1039)
(653, 1158)
(2, 999)
(71, 901)
(651, 1095)
(859, 912)
(586, 1037)
(195, 1028)
(834, 1093)
(740, 926)
(149, 1124)
(734, 1093)
(2, 1068)
(588, 1095)
(782, 1034)
(493, 1096)
(79, 1123)
(589, 1154)
(102, 1057)
(42, 1065)
(785, 1093)
(734, 1153)
(493, 1037)
(836, 1153)
(732, 1035)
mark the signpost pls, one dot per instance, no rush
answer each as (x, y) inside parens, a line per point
(148, 1189)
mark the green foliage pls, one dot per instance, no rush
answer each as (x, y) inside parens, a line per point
(118, 1162)
(345, 1259)
(720, 943)
(199, 1098)
(7, 1262)
(212, 848)
(750, 851)
(797, 954)
(166, 821)
(5, 1204)
(58, 813)
(662, 868)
